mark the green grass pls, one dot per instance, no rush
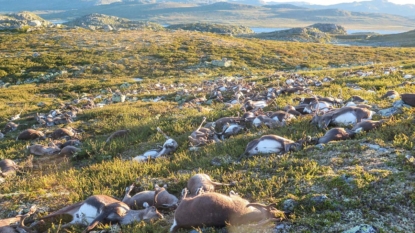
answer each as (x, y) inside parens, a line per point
(378, 188)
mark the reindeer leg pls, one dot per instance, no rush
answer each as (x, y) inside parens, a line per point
(200, 126)
(160, 131)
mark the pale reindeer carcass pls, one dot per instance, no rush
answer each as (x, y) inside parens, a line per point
(159, 197)
(342, 116)
(9, 127)
(101, 209)
(169, 146)
(231, 130)
(202, 136)
(16, 224)
(261, 120)
(8, 168)
(41, 150)
(272, 144)
(202, 182)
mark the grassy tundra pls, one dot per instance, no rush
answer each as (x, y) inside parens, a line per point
(362, 183)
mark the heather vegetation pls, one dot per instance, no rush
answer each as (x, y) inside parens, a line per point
(367, 179)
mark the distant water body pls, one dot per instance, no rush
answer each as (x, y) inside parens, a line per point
(260, 30)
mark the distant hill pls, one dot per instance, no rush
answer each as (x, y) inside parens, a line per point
(34, 5)
(374, 6)
(214, 28)
(283, 16)
(224, 12)
(107, 22)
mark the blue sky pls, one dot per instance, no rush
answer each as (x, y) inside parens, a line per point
(331, 2)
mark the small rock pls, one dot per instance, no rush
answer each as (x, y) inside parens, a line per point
(362, 228)
(216, 161)
(282, 228)
(346, 178)
(319, 199)
(289, 205)
(389, 111)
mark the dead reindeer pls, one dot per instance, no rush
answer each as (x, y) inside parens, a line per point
(390, 95)
(408, 99)
(8, 168)
(72, 142)
(104, 209)
(367, 125)
(272, 144)
(62, 119)
(117, 134)
(202, 182)
(305, 100)
(218, 210)
(69, 151)
(169, 146)
(291, 110)
(16, 224)
(320, 105)
(137, 201)
(336, 134)
(348, 104)
(250, 104)
(222, 122)
(40, 150)
(202, 136)
(31, 134)
(267, 121)
(62, 133)
(163, 199)
(9, 127)
(301, 109)
(342, 116)
(282, 117)
(230, 130)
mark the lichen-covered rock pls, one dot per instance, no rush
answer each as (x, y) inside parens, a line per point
(362, 228)
(304, 34)
(214, 28)
(330, 28)
(21, 20)
(289, 205)
(106, 22)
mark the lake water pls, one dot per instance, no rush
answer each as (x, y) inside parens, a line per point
(260, 30)
(58, 21)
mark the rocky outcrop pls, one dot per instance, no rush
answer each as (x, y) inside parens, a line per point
(306, 34)
(22, 20)
(109, 23)
(314, 33)
(214, 28)
(330, 28)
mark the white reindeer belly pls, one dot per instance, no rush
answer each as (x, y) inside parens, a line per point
(267, 147)
(85, 215)
(346, 119)
(257, 122)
